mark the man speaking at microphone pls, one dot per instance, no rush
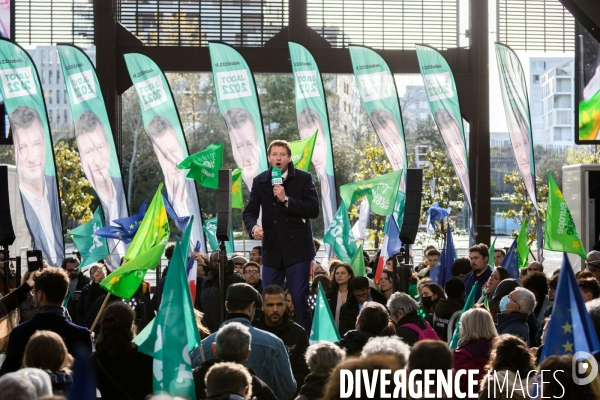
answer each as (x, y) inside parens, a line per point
(289, 200)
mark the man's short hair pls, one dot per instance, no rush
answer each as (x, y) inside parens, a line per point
(54, 282)
(228, 377)
(536, 282)
(590, 285)
(432, 252)
(169, 250)
(525, 299)
(236, 117)
(593, 308)
(280, 143)
(17, 387)
(380, 118)
(553, 281)
(233, 341)
(373, 318)
(69, 260)
(86, 123)
(259, 248)
(309, 117)
(359, 283)
(402, 302)
(323, 357)
(251, 264)
(23, 117)
(500, 251)
(454, 288)
(388, 345)
(461, 266)
(481, 249)
(430, 354)
(272, 290)
(158, 126)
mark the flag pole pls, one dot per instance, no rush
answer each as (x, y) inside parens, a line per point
(111, 253)
(244, 238)
(100, 312)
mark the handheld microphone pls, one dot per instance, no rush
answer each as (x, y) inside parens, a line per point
(276, 176)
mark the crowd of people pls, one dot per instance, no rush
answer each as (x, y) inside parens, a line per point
(260, 351)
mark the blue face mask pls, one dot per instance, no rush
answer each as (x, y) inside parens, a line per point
(503, 303)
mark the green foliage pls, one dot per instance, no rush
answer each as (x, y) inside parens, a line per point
(440, 185)
(582, 155)
(76, 193)
(7, 154)
(372, 162)
(523, 207)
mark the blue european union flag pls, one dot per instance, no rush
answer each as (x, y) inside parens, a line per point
(180, 222)
(84, 377)
(127, 227)
(511, 261)
(571, 329)
(442, 271)
(435, 213)
(393, 233)
(190, 262)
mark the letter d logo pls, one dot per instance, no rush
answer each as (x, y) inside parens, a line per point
(584, 368)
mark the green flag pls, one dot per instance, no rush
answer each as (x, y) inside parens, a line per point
(145, 251)
(204, 166)
(210, 228)
(92, 248)
(237, 199)
(380, 191)
(491, 252)
(323, 326)
(470, 303)
(173, 333)
(339, 237)
(358, 262)
(522, 246)
(560, 232)
(302, 151)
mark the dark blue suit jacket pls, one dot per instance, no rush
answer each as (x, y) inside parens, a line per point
(287, 239)
(73, 336)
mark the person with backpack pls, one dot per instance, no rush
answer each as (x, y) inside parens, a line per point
(410, 326)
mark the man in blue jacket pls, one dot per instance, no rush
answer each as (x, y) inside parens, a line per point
(268, 356)
(50, 288)
(286, 232)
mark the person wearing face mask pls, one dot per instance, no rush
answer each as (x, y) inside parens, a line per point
(515, 309)
(431, 294)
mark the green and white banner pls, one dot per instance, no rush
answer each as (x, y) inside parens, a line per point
(311, 111)
(516, 108)
(238, 102)
(379, 96)
(94, 139)
(91, 247)
(163, 127)
(24, 102)
(443, 102)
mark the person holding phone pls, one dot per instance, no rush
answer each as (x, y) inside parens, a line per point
(77, 281)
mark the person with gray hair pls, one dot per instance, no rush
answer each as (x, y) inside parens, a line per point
(231, 345)
(40, 379)
(593, 308)
(593, 263)
(15, 386)
(515, 309)
(409, 324)
(388, 345)
(322, 358)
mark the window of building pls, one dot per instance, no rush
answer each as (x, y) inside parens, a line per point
(58, 97)
(50, 76)
(58, 76)
(66, 98)
(66, 116)
(43, 57)
(43, 77)
(50, 116)
(50, 97)
(536, 79)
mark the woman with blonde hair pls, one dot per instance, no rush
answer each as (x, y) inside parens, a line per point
(476, 335)
(47, 351)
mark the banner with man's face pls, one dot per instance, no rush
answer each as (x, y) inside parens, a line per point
(24, 102)
(516, 108)
(163, 127)
(238, 103)
(94, 139)
(379, 97)
(443, 102)
(311, 111)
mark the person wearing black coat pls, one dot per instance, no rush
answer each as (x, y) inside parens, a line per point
(211, 299)
(361, 293)
(276, 321)
(405, 310)
(286, 232)
(371, 321)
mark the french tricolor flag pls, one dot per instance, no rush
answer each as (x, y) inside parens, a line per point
(191, 270)
(391, 245)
